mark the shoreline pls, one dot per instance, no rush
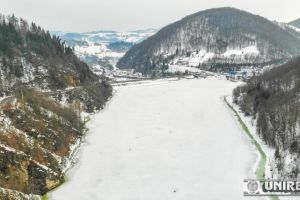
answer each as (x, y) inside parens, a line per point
(77, 148)
(262, 160)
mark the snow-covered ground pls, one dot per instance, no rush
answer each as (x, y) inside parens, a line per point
(202, 56)
(98, 50)
(183, 68)
(250, 50)
(175, 140)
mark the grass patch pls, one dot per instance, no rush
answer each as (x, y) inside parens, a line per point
(274, 198)
(66, 179)
(45, 197)
(260, 171)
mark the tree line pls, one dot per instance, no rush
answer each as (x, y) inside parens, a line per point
(273, 100)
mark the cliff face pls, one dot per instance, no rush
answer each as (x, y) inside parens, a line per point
(44, 89)
(213, 39)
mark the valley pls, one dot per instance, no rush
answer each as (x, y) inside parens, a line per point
(102, 49)
(185, 111)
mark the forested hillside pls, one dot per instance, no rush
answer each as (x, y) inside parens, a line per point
(31, 55)
(44, 89)
(273, 100)
(217, 40)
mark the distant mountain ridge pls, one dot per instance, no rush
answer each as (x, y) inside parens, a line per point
(213, 40)
(108, 36)
(102, 49)
(295, 23)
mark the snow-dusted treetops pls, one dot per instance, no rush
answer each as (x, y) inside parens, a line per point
(273, 100)
(214, 39)
(31, 55)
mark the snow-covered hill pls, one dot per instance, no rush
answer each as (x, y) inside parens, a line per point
(102, 49)
(215, 39)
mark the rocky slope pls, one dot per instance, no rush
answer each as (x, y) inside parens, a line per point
(44, 90)
(216, 39)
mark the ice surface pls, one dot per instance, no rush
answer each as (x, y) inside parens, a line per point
(163, 142)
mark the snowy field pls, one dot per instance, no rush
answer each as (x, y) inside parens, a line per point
(163, 141)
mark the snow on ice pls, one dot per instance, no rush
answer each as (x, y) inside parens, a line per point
(163, 141)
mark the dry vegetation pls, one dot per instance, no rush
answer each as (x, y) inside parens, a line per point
(39, 136)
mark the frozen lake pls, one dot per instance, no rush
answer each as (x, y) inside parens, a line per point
(164, 141)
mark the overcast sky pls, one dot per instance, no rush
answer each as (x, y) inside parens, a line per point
(89, 15)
